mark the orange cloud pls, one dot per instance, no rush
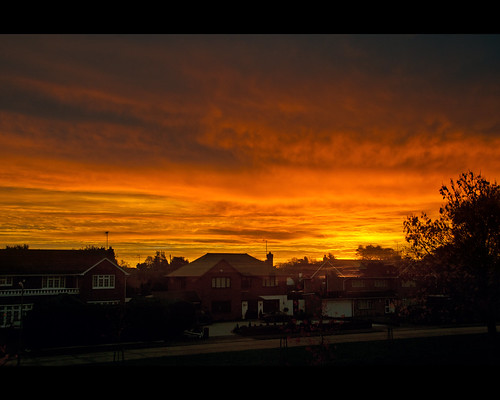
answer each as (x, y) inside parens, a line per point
(195, 143)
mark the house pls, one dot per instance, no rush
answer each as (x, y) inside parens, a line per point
(233, 286)
(29, 276)
(347, 288)
(369, 293)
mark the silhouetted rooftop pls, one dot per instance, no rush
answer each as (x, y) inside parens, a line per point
(27, 261)
(243, 263)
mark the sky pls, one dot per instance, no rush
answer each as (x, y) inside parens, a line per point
(301, 145)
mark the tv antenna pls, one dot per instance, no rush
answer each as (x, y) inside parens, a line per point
(107, 233)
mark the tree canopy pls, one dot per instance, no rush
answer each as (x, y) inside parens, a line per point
(159, 263)
(371, 252)
(459, 252)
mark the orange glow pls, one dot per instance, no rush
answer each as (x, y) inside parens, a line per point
(195, 144)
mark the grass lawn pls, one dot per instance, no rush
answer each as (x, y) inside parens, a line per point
(464, 350)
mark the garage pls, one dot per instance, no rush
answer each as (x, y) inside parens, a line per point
(337, 308)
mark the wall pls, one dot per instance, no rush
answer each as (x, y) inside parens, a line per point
(88, 293)
(224, 303)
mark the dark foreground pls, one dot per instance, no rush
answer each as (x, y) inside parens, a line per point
(466, 350)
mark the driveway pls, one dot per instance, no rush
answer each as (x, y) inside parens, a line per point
(218, 329)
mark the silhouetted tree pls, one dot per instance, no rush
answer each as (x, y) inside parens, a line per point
(297, 262)
(177, 262)
(377, 252)
(328, 257)
(458, 254)
(150, 274)
(109, 252)
(17, 247)
(156, 263)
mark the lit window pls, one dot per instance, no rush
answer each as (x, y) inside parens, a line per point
(103, 281)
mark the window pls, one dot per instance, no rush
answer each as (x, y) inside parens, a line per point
(103, 281)
(389, 306)
(364, 304)
(380, 283)
(5, 280)
(221, 282)
(53, 282)
(10, 314)
(270, 281)
(359, 283)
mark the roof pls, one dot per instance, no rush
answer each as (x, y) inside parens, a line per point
(243, 263)
(340, 267)
(67, 262)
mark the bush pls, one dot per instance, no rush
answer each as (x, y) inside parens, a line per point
(154, 319)
(65, 321)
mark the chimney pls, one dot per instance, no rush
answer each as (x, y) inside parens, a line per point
(269, 259)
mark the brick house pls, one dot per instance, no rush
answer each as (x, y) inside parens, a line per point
(233, 286)
(349, 288)
(29, 276)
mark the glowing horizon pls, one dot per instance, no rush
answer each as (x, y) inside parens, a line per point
(191, 144)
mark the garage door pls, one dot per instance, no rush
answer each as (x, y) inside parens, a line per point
(337, 308)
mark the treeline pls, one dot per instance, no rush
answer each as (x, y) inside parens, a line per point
(159, 263)
(149, 276)
(366, 253)
(305, 261)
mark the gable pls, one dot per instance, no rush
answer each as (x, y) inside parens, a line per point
(221, 268)
(105, 263)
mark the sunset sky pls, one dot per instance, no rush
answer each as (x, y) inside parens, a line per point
(191, 144)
